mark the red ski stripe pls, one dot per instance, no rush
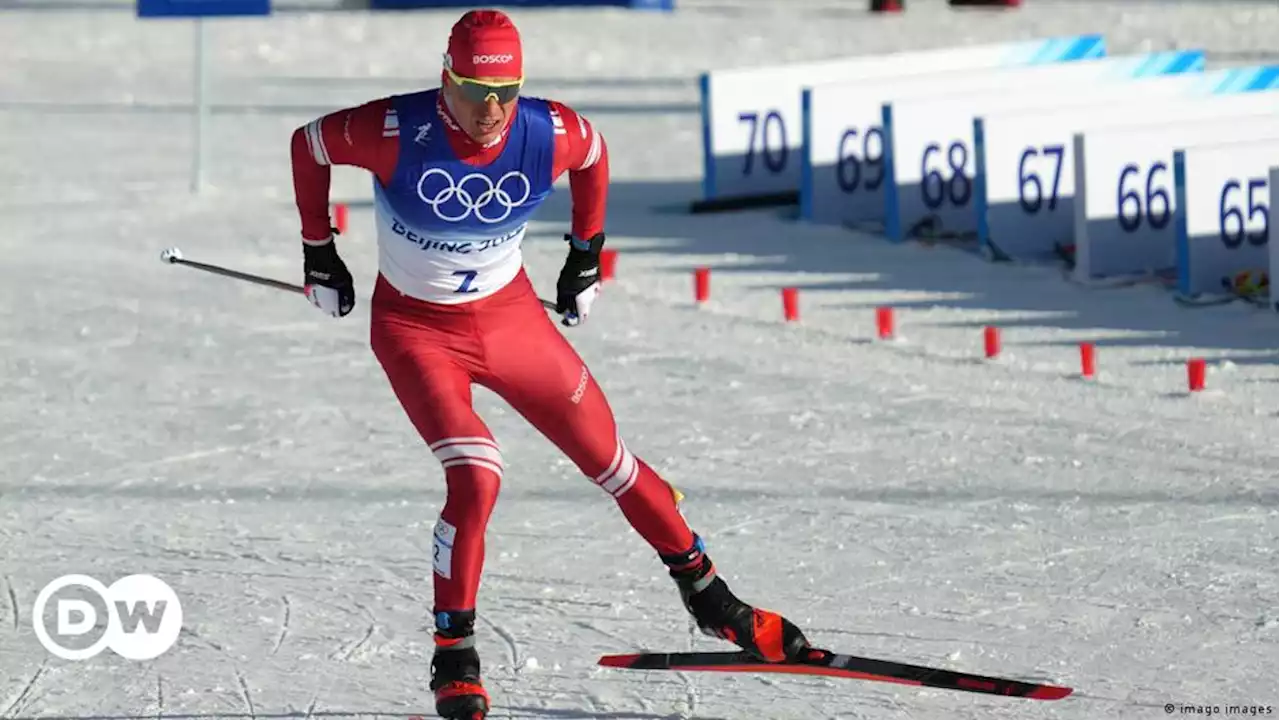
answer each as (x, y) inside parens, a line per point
(797, 670)
(1049, 692)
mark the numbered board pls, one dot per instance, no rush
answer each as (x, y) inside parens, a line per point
(930, 140)
(841, 178)
(1025, 186)
(925, 131)
(1223, 221)
(1124, 210)
(751, 129)
(1274, 243)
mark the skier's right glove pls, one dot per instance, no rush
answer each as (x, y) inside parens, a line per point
(328, 284)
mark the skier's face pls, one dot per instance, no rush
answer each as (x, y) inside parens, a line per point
(483, 105)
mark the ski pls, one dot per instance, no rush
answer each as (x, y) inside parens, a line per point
(825, 662)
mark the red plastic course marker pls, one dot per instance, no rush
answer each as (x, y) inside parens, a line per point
(991, 341)
(1088, 360)
(884, 323)
(1195, 374)
(608, 263)
(790, 304)
(340, 217)
(701, 284)
(886, 5)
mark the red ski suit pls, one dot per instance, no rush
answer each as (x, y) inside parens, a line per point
(432, 353)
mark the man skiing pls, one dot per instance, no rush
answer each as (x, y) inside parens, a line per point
(459, 170)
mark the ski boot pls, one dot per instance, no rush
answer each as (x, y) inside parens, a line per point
(455, 668)
(719, 613)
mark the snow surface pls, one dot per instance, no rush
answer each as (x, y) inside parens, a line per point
(905, 500)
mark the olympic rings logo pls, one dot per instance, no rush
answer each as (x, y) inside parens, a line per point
(474, 193)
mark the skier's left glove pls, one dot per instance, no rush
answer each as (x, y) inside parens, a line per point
(579, 282)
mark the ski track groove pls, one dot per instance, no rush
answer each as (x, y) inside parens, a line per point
(202, 639)
(244, 695)
(363, 642)
(159, 696)
(311, 707)
(20, 700)
(513, 646)
(588, 625)
(691, 683)
(284, 624)
(13, 600)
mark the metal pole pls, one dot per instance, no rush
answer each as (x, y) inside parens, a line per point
(202, 109)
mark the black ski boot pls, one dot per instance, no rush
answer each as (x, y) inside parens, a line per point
(455, 668)
(719, 613)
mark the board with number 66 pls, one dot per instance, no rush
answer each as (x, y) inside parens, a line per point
(1224, 216)
(1125, 209)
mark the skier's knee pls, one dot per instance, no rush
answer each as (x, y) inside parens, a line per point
(621, 473)
(473, 453)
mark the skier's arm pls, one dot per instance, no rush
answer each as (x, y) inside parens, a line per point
(581, 151)
(365, 136)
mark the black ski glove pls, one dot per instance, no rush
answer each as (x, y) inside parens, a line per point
(327, 282)
(579, 282)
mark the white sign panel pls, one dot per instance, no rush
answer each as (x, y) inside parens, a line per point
(919, 126)
(1026, 189)
(751, 128)
(1125, 202)
(931, 139)
(845, 178)
(1224, 220)
(1274, 243)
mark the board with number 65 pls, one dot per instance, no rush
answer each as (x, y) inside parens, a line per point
(1223, 222)
(1124, 215)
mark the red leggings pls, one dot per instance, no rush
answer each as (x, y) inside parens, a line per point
(507, 343)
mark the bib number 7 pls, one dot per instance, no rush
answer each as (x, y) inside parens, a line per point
(468, 277)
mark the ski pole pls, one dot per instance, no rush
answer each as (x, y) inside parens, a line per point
(174, 256)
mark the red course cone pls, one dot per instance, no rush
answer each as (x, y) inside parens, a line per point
(608, 264)
(790, 304)
(1088, 366)
(884, 323)
(991, 341)
(701, 284)
(1195, 374)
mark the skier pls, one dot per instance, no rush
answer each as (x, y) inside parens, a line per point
(459, 171)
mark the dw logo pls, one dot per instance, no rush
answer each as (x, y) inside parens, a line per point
(143, 617)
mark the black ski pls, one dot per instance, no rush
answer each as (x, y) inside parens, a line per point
(825, 662)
